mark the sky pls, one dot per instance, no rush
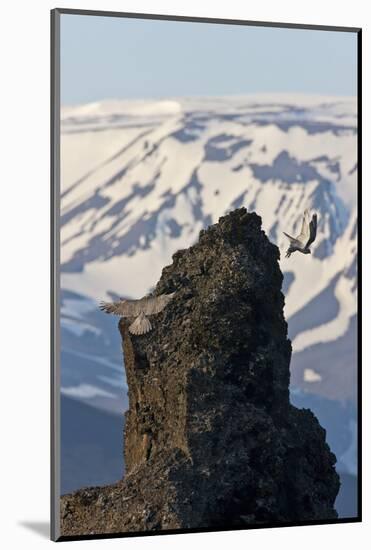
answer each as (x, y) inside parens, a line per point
(108, 57)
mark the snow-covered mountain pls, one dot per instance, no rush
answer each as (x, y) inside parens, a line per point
(140, 179)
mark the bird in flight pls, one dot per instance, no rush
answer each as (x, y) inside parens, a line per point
(140, 309)
(307, 236)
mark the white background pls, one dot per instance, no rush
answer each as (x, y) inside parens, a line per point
(24, 274)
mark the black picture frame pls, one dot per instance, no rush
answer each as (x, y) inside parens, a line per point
(55, 244)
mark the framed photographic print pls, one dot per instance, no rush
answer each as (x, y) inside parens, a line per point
(205, 242)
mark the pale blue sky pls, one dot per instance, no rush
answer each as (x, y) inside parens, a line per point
(107, 57)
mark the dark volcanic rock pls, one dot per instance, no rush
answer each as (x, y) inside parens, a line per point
(211, 439)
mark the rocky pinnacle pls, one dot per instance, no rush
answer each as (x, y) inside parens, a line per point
(211, 439)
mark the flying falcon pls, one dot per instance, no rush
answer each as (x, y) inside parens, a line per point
(307, 236)
(140, 309)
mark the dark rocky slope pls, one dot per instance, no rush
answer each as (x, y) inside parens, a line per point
(211, 439)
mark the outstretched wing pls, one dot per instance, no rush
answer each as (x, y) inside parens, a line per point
(292, 240)
(125, 308)
(155, 304)
(312, 231)
(149, 305)
(305, 231)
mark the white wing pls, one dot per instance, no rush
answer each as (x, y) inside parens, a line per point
(304, 233)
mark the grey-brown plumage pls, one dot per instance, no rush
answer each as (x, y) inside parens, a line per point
(140, 309)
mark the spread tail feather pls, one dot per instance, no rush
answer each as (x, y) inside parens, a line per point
(141, 325)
